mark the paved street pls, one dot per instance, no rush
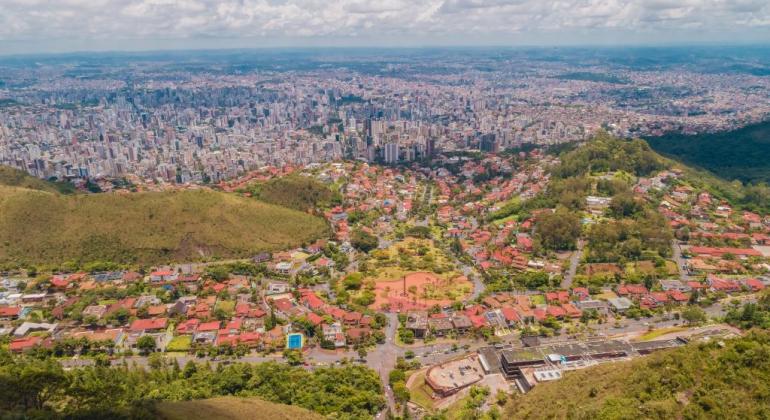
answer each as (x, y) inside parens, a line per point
(574, 260)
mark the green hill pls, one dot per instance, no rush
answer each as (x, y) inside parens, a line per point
(16, 178)
(294, 191)
(226, 408)
(39, 227)
(738, 154)
(729, 379)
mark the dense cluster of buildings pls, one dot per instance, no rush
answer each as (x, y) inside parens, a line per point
(161, 125)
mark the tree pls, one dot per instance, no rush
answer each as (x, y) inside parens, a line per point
(558, 231)
(145, 344)
(401, 392)
(362, 353)
(363, 241)
(353, 281)
(694, 315)
(293, 357)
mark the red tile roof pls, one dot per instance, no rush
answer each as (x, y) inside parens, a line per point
(209, 326)
(148, 324)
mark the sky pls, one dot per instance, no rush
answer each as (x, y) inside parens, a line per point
(35, 26)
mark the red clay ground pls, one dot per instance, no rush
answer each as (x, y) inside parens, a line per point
(423, 290)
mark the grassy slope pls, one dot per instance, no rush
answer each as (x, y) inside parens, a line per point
(738, 154)
(232, 408)
(696, 381)
(17, 178)
(40, 227)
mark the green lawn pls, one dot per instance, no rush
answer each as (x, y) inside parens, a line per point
(226, 305)
(419, 394)
(179, 343)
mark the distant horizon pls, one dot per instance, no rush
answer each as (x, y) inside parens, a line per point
(389, 47)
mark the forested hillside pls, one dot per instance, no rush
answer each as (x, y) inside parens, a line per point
(717, 380)
(295, 192)
(43, 389)
(739, 154)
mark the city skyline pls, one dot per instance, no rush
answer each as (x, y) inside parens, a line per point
(107, 25)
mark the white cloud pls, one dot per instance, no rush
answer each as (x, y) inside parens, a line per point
(429, 20)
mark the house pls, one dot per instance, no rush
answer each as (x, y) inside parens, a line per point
(754, 285)
(29, 327)
(620, 305)
(717, 284)
(674, 284)
(163, 276)
(633, 291)
(114, 335)
(9, 313)
(461, 323)
(96, 311)
(19, 345)
(358, 335)
(314, 319)
(189, 326)
(597, 305)
(677, 296)
(417, 322)
(581, 293)
(309, 299)
(206, 332)
(333, 333)
(510, 315)
(478, 321)
(149, 325)
(742, 253)
(277, 288)
(352, 318)
(571, 310)
(556, 311)
(440, 327)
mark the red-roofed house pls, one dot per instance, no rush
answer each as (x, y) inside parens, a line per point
(556, 311)
(678, 296)
(571, 310)
(314, 319)
(723, 285)
(149, 325)
(510, 315)
(755, 285)
(582, 293)
(478, 321)
(635, 291)
(188, 327)
(312, 301)
(352, 318)
(8, 313)
(19, 345)
(208, 326)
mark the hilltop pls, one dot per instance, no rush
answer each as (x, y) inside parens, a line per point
(40, 227)
(738, 154)
(232, 408)
(729, 379)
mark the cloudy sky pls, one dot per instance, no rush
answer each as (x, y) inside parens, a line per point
(75, 25)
